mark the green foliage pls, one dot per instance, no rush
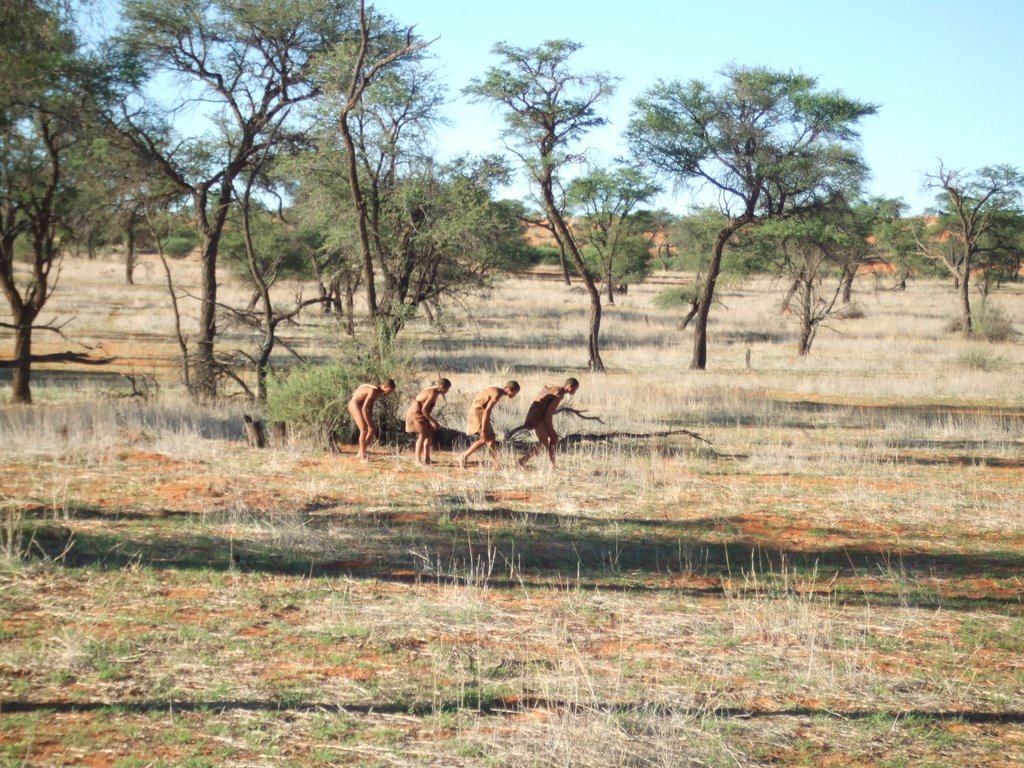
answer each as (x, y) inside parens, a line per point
(180, 246)
(280, 251)
(676, 298)
(980, 360)
(989, 321)
(992, 323)
(542, 254)
(313, 399)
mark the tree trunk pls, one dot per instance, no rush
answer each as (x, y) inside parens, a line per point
(255, 432)
(806, 321)
(565, 239)
(359, 204)
(350, 310)
(965, 301)
(130, 256)
(848, 275)
(205, 378)
(699, 361)
(21, 390)
(595, 363)
(564, 262)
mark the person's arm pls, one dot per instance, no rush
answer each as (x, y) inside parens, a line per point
(368, 402)
(427, 409)
(485, 420)
(549, 416)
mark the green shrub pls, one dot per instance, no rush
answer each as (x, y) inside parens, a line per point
(676, 298)
(179, 246)
(989, 321)
(980, 360)
(313, 399)
(992, 323)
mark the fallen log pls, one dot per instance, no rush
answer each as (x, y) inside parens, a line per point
(596, 437)
(600, 437)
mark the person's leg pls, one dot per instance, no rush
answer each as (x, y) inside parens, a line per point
(541, 432)
(470, 451)
(552, 441)
(492, 444)
(361, 425)
(428, 439)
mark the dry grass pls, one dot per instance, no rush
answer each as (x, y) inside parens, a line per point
(835, 580)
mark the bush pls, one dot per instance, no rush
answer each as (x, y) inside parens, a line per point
(980, 360)
(992, 323)
(989, 321)
(179, 246)
(313, 399)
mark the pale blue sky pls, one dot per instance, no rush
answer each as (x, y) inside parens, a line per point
(946, 74)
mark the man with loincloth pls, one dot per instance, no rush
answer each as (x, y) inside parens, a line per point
(419, 421)
(540, 418)
(479, 420)
(360, 408)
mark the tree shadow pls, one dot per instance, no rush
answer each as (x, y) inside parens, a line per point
(503, 705)
(501, 546)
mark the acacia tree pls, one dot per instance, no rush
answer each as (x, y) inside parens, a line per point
(548, 108)
(244, 68)
(818, 255)
(963, 229)
(769, 144)
(48, 102)
(605, 201)
(380, 47)
(432, 230)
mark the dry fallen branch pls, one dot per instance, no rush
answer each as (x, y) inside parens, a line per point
(610, 436)
(596, 437)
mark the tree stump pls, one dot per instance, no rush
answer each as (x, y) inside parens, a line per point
(255, 432)
(279, 434)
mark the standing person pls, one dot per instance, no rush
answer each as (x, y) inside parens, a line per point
(540, 418)
(360, 408)
(479, 420)
(419, 420)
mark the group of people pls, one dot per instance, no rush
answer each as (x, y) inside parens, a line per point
(419, 421)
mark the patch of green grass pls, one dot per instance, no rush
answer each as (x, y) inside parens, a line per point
(985, 633)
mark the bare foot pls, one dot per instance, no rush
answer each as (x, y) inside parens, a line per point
(462, 461)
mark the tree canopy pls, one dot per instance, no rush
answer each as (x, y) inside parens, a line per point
(767, 144)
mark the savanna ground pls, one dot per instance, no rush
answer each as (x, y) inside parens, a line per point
(836, 578)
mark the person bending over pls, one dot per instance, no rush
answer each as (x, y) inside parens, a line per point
(418, 418)
(360, 408)
(541, 419)
(479, 420)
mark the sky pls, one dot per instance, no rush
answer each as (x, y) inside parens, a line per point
(946, 74)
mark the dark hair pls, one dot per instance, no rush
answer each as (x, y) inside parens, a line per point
(388, 383)
(443, 384)
(571, 383)
(513, 385)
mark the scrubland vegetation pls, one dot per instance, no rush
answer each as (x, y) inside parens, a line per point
(834, 578)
